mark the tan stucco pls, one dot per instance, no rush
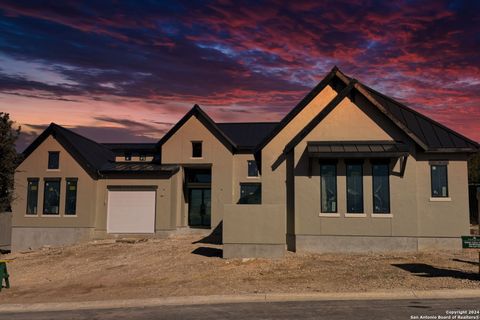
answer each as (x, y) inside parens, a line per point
(178, 150)
(290, 208)
(165, 214)
(35, 166)
(412, 211)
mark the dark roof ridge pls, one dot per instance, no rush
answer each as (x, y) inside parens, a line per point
(321, 115)
(299, 107)
(206, 120)
(77, 134)
(395, 119)
(400, 104)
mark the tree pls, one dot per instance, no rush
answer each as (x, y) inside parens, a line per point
(8, 159)
(474, 169)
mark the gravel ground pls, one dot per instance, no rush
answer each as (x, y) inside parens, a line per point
(177, 266)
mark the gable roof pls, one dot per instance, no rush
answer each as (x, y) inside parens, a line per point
(89, 154)
(197, 112)
(298, 108)
(430, 135)
(247, 135)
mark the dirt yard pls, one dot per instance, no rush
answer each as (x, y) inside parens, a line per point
(179, 267)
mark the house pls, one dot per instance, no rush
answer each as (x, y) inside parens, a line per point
(348, 169)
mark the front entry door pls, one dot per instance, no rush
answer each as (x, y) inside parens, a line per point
(199, 206)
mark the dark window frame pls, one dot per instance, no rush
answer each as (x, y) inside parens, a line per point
(359, 163)
(376, 163)
(439, 164)
(50, 162)
(67, 180)
(45, 180)
(37, 180)
(197, 143)
(242, 184)
(256, 169)
(329, 163)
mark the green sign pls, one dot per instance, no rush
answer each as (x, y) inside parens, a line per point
(471, 242)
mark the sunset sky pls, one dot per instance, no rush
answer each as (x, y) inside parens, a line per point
(126, 71)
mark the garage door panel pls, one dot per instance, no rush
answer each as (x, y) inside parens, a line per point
(131, 212)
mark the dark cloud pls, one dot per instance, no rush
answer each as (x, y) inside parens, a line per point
(256, 58)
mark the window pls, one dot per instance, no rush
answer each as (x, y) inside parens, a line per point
(128, 157)
(250, 193)
(53, 160)
(32, 196)
(328, 187)
(196, 149)
(381, 188)
(439, 180)
(354, 188)
(252, 168)
(143, 157)
(51, 196)
(71, 197)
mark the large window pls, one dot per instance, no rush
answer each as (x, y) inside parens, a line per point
(250, 193)
(32, 196)
(328, 187)
(354, 188)
(71, 197)
(439, 180)
(196, 149)
(252, 168)
(51, 197)
(53, 160)
(381, 188)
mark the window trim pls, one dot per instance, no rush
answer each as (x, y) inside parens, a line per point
(66, 195)
(58, 162)
(49, 214)
(332, 163)
(360, 213)
(439, 163)
(248, 168)
(386, 163)
(201, 149)
(247, 184)
(37, 180)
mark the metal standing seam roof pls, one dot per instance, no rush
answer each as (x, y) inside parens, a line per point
(435, 136)
(430, 135)
(356, 148)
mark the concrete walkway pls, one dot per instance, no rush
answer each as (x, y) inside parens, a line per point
(228, 299)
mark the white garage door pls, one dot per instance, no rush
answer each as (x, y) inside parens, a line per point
(131, 211)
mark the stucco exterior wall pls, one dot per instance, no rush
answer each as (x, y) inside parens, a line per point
(240, 174)
(165, 214)
(178, 150)
(413, 213)
(254, 230)
(35, 166)
(443, 217)
(273, 161)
